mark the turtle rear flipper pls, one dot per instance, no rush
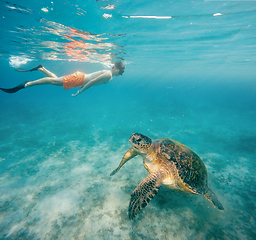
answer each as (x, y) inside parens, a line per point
(144, 192)
(210, 196)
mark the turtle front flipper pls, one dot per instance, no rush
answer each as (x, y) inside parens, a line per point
(211, 197)
(131, 153)
(144, 192)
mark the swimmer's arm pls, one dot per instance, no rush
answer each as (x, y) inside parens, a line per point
(93, 82)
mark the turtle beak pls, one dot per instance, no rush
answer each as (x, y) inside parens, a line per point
(131, 138)
(132, 141)
(135, 140)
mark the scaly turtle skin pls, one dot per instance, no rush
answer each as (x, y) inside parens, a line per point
(169, 163)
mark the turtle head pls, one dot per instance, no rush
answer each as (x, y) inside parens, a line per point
(140, 142)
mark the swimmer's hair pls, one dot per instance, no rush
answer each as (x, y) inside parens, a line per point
(120, 66)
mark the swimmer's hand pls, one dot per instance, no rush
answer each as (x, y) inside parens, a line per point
(78, 92)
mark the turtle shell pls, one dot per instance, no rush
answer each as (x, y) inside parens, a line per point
(189, 165)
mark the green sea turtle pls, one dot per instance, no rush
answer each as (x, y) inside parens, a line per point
(169, 163)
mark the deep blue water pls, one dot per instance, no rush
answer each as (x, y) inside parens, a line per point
(189, 76)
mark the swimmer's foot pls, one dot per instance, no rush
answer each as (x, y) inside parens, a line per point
(30, 70)
(15, 89)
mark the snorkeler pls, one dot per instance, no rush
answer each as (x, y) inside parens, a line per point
(78, 79)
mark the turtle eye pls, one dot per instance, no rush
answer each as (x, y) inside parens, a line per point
(139, 139)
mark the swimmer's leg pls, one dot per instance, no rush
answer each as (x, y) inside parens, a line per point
(47, 80)
(47, 72)
(15, 89)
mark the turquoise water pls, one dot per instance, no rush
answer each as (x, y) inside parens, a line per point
(190, 76)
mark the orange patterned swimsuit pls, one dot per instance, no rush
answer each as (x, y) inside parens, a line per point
(74, 80)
